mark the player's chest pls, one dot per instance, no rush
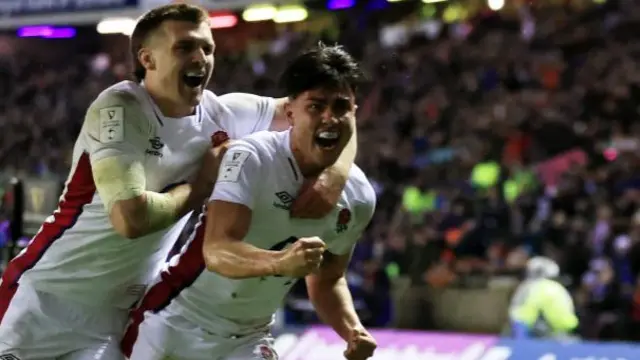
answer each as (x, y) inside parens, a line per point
(173, 154)
(274, 228)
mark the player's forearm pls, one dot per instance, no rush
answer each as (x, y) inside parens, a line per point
(199, 190)
(334, 304)
(348, 155)
(134, 211)
(152, 211)
(148, 213)
(190, 197)
(337, 174)
(239, 260)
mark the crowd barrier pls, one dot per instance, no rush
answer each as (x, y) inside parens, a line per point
(321, 343)
(424, 308)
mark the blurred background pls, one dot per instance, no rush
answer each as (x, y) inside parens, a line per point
(492, 130)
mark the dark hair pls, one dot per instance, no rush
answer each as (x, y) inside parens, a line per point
(152, 20)
(319, 67)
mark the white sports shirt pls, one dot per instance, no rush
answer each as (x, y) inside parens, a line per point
(76, 253)
(260, 172)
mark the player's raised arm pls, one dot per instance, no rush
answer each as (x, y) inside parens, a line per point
(320, 195)
(338, 173)
(229, 217)
(329, 292)
(118, 132)
(251, 113)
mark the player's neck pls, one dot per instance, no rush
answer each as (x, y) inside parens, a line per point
(167, 106)
(308, 168)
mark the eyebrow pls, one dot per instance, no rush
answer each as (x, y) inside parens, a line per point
(317, 99)
(325, 99)
(191, 40)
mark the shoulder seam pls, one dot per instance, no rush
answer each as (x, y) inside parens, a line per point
(262, 112)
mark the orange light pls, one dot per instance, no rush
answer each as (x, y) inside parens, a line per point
(222, 21)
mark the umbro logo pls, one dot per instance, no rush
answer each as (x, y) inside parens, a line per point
(285, 200)
(9, 357)
(156, 146)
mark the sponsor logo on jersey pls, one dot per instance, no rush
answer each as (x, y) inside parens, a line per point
(156, 146)
(218, 138)
(285, 200)
(232, 165)
(344, 216)
(112, 125)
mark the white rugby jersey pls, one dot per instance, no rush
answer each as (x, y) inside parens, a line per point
(260, 172)
(77, 253)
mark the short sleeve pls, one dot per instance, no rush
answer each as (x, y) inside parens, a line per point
(116, 126)
(239, 175)
(248, 113)
(363, 213)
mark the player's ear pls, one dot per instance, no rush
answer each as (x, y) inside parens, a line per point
(146, 59)
(288, 112)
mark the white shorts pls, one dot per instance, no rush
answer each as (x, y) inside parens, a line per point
(38, 326)
(166, 336)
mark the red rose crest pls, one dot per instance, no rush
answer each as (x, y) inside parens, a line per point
(344, 216)
(218, 138)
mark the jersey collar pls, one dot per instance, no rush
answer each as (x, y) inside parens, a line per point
(293, 164)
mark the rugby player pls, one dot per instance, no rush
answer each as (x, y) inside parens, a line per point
(217, 298)
(142, 162)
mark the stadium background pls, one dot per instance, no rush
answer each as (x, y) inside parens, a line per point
(492, 131)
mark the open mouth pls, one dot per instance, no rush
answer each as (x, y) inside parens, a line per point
(327, 139)
(193, 79)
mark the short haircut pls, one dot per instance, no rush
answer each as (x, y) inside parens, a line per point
(321, 67)
(152, 20)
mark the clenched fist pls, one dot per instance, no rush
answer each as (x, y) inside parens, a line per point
(301, 258)
(361, 345)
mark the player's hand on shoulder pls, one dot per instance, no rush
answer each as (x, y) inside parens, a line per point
(319, 196)
(301, 258)
(361, 345)
(210, 163)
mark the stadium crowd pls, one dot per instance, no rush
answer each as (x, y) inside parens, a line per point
(487, 141)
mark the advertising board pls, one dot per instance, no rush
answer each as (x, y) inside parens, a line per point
(321, 343)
